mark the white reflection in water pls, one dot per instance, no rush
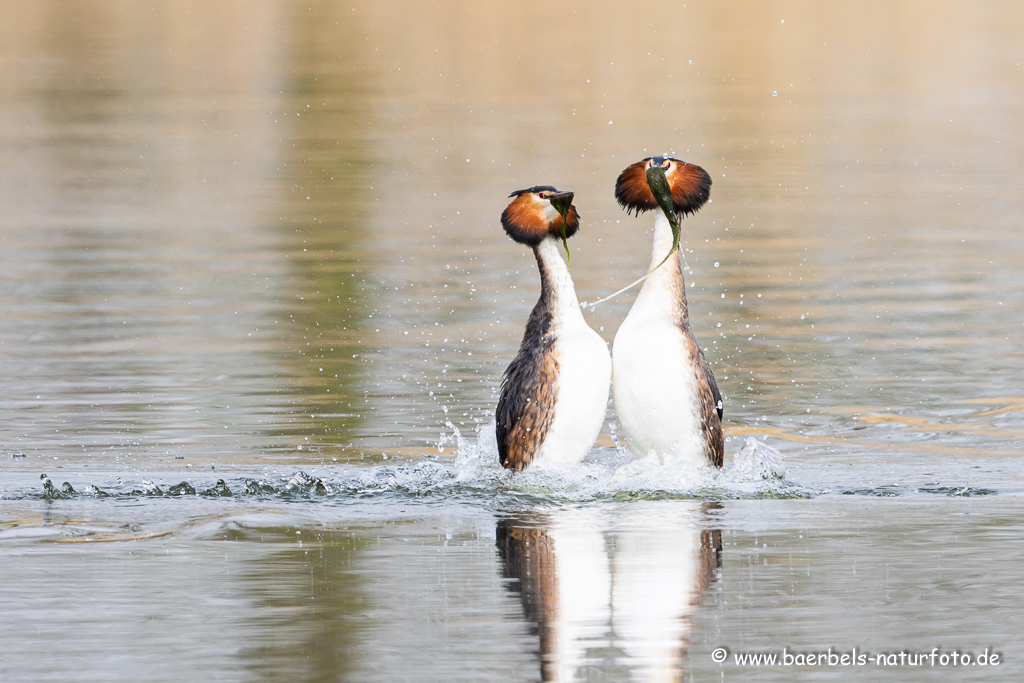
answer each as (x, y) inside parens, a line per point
(612, 589)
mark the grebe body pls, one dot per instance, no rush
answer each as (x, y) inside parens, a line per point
(554, 394)
(664, 391)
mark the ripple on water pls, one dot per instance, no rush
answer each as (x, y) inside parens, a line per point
(475, 478)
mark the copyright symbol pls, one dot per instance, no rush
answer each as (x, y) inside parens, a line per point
(719, 654)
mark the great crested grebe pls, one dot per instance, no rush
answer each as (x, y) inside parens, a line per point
(665, 393)
(555, 392)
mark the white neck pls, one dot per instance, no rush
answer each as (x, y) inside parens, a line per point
(564, 303)
(660, 290)
(662, 239)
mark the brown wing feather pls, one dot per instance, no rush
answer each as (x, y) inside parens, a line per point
(526, 404)
(709, 398)
(711, 411)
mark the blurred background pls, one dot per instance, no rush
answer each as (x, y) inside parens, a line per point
(240, 239)
(247, 232)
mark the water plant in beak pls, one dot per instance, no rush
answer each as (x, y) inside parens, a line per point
(663, 195)
(563, 203)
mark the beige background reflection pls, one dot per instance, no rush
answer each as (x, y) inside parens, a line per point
(231, 230)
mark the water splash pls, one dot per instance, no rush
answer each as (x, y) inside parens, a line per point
(474, 477)
(613, 473)
(756, 461)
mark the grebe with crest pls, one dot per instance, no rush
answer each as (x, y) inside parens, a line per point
(665, 394)
(554, 394)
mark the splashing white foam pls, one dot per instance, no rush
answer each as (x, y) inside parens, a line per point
(756, 461)
(611, 472)
(476, 477)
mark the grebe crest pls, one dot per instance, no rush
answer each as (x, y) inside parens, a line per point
(534, 215)
(690, 186)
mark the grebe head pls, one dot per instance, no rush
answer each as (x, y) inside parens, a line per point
(537, 212)
(688, 186)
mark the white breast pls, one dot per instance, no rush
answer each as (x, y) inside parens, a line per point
(655, 390)
(654, 384)
(585, 371)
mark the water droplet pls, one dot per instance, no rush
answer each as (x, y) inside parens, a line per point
(775, 93)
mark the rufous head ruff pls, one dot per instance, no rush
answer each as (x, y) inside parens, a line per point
(690, 186)
(530, 217)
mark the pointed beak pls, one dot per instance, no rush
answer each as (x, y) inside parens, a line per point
(658, 183)
(562, 201)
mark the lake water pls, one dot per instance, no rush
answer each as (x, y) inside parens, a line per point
(254, 248)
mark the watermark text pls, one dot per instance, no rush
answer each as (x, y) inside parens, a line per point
(835, 657)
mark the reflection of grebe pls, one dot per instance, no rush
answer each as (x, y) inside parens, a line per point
(665, 393)
(555, 392)
(626, 584)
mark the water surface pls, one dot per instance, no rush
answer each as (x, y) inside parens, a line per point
(258, 243)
